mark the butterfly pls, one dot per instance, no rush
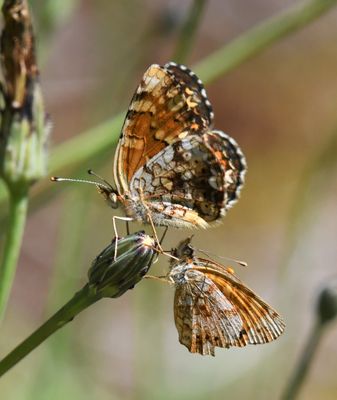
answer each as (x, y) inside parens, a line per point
(170, 166)
(213, 308)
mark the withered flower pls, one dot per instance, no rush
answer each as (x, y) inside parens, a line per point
(24, 127)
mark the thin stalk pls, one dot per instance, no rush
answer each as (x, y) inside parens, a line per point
(82, 299)
(18, 203)
(188, 31)
(307, 356)
(64, 283)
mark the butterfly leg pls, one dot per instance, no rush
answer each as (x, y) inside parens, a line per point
(150, 220)
(114, 218)
(163, 235)
(159, 242)
(162, 279)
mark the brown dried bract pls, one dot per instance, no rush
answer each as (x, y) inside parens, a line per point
(17, 51)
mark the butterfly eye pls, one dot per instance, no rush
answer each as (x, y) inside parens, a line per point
(113, 200)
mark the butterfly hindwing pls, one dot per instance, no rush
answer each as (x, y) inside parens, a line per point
(197, 173)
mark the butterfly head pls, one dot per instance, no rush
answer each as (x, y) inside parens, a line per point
(184, 250)
(109, 194)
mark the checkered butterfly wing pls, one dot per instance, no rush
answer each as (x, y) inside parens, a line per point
(202, 173)
(169, 103)
(204, 317)
(222, 312)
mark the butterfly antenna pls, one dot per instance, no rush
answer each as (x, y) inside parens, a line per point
(163, 235)
(208, 254)
(91, 172)
(99, 184)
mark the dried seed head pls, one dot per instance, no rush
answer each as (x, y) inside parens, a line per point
(18, 51)
(24, 128)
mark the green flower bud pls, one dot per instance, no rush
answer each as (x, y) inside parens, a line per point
(23, 146)
(327, 302)
(113, 277)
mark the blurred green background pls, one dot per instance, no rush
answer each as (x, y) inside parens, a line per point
(281, 108)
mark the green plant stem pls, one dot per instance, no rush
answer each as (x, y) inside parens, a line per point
(188, 31)
(70, 245)
(300, 372)
(18, 205)
(82, 299)
(95, 141)
(263, 35)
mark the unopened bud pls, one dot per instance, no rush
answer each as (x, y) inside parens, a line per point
(23, 151)
(327, 302)
(113, 277)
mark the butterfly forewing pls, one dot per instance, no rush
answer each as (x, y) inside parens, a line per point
(191, 83)
(164, 108)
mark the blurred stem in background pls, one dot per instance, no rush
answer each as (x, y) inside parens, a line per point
(106, 278)
(49, 14)
(95, 141)
(188, 31)
(326, 311)
(23, 132)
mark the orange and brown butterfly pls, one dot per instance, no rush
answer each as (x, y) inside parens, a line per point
(213, 308)
(169, 163)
